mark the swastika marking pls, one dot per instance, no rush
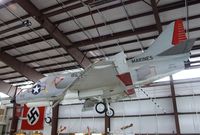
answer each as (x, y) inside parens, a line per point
(33, 115)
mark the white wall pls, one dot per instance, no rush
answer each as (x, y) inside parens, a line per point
(189, 123)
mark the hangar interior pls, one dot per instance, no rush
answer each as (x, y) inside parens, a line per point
(39, 38)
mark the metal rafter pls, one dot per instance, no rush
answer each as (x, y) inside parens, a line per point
(161, 9)
(7, 88)
(58, 5)
(91, 49)
(27, 16)
(88, 41)
(20, 67)
(88, 13)
(156, 15)
(66, 9)
(69, 8)
(54, 32)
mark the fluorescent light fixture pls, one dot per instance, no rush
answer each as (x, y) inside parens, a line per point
(102, 66)
(26, 86)
(3, 95)
(194, 59)
(163, 79)
(79, 133)
(187, 74)
(96, 134)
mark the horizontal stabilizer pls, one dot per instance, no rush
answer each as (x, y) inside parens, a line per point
(183, 47)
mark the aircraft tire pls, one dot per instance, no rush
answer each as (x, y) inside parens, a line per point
(111, 113)
(101, 106)
(48, 120)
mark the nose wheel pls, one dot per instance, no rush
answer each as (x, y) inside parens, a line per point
(110, 112)
(103, 108)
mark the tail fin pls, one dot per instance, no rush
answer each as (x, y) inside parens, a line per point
(179, 33)
(173, 35)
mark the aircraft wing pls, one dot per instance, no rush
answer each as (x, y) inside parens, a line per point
(111, 75)
(100, 80)
(109, 79)
(99, 75)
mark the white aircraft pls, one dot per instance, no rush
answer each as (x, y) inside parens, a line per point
(111, 80)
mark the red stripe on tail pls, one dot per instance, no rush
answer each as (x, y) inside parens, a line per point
(179, 33)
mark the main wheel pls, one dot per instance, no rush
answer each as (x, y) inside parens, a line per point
(100, 107)
(110, 113)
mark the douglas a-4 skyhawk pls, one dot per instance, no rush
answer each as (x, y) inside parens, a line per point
(116, 78)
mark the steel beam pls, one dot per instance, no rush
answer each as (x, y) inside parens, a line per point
(54, 32)
(54, 127)
(79, 5)
(108, 37)
(11, 28)
(59, 5)
(156, 15)
(75, 66)
(91, 49)
(66, 9)
(47, 37)
(27, 16)
(20, 67)
(175, 106)
(163, 8)
(19, 33)
(107, 125)
(7, 88)
(15, 118)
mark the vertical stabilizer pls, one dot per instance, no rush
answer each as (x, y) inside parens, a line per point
(179, 33)
(172, 36)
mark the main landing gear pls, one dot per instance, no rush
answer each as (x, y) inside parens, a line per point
(104, 108)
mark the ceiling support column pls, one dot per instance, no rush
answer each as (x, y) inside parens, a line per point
(107, 125)
(15, 116)
(54, 127)
(174, 106)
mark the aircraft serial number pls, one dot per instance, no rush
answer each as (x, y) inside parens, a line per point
(75, 74)
(142, 59)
